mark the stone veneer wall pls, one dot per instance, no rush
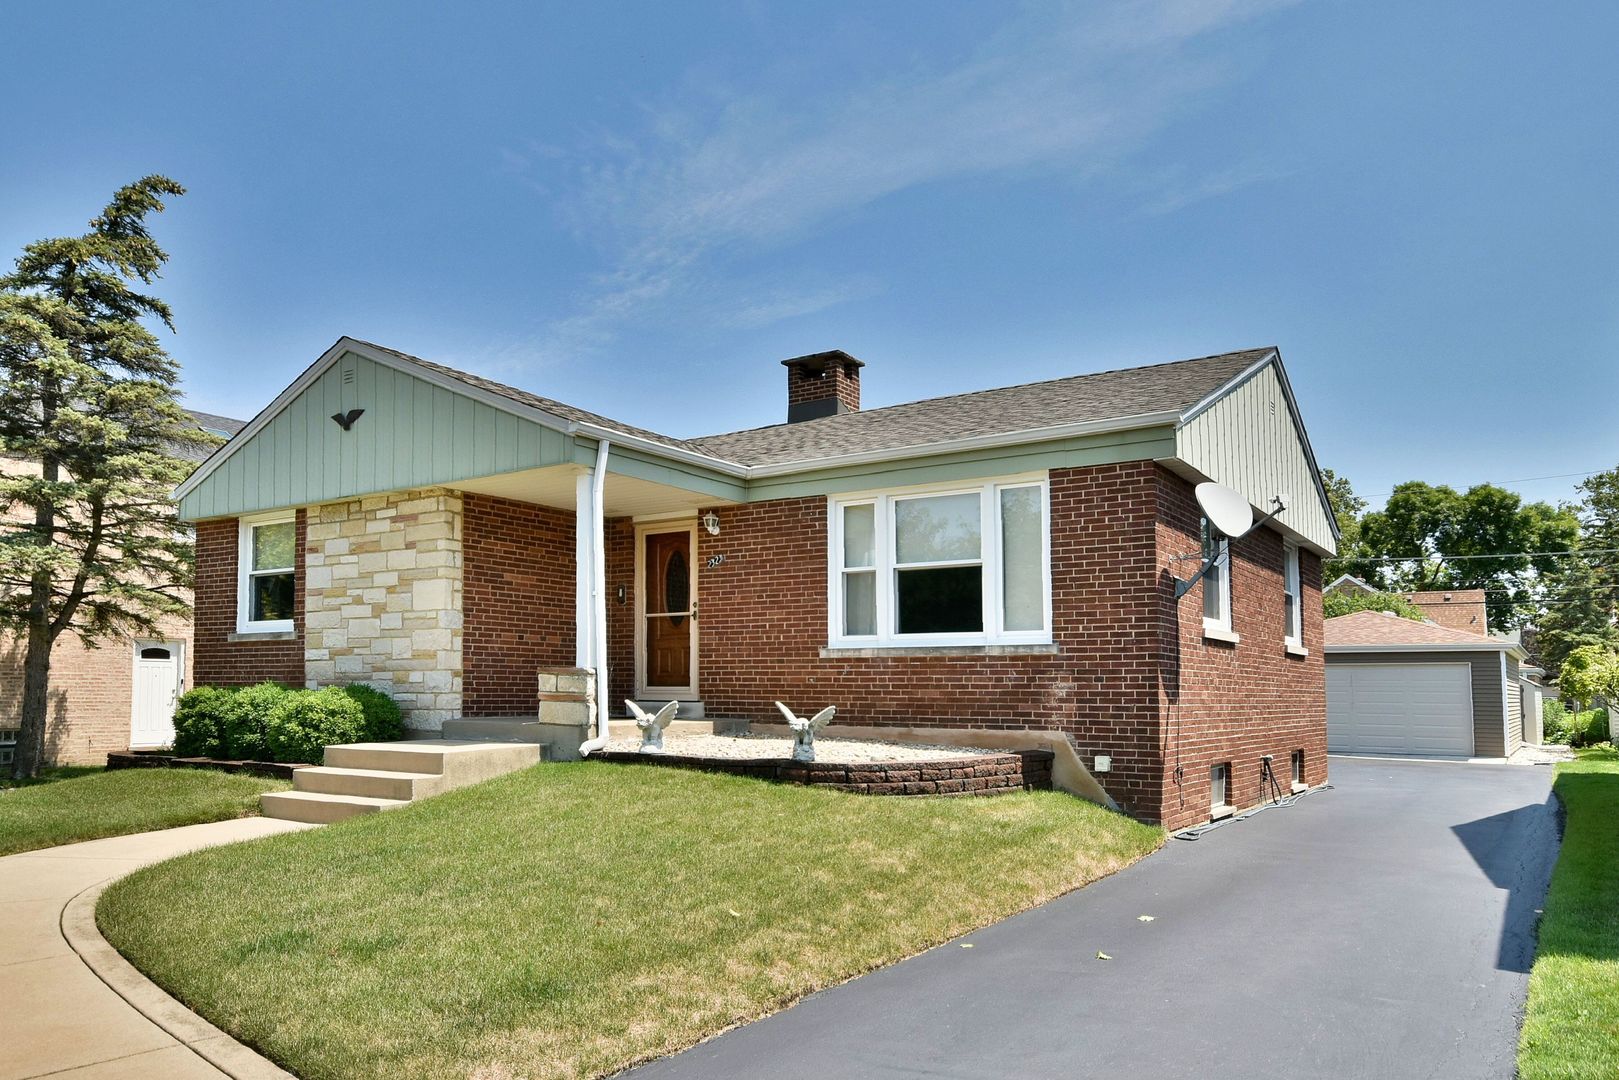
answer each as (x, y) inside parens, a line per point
(383, 603)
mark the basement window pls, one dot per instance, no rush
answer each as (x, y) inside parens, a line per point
(8, 745)
(265, 574)
(1220, 790)
(1298, 770)
(944, 566)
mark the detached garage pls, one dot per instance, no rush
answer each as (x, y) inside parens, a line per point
(1404, 688)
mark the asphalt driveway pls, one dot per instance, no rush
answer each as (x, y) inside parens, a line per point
(1380, 929)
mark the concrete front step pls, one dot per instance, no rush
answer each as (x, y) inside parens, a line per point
(368, 783)
(320, 808)
(687, 710)
(362, 778)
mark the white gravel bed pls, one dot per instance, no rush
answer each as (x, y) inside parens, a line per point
(838, 751)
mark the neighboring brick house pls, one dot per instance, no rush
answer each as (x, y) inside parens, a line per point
(1458, 609)
(114, 696)
(993, 568)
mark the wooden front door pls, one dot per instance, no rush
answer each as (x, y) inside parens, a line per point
(668, 596)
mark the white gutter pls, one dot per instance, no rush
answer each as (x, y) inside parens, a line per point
(1449, 646)
(598, 599)
(972, 442)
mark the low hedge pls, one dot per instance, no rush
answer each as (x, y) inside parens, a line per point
(271, 722)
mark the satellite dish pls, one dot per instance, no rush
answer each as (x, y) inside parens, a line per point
(1228, 511)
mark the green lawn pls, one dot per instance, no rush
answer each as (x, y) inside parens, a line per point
(74, 805)
(571, 919)
(1572, 1026)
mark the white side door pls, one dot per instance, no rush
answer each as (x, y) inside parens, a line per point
(157, 685)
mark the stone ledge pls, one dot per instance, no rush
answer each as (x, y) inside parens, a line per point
(1017, 770)
(829, 652)
(267, 635)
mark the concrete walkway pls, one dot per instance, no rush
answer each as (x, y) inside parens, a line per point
(61, 1019)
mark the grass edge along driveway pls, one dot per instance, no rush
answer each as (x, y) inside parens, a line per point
(1571, 1025)
(98, 804)
(574, 919)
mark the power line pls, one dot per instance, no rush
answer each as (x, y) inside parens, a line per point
(1580, 553)
(1501, 483)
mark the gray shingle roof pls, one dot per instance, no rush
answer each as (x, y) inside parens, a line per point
(213, 423)
(550, 405)
(1106, 395)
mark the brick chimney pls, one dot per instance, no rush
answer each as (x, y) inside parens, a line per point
(822, 384)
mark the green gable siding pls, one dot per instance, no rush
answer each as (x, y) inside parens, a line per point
(413, 434)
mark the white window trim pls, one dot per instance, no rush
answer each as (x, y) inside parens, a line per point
(1293, 634)
(990, 558)
(1220, 572)
(244, 571)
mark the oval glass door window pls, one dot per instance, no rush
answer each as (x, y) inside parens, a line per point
(676, 587)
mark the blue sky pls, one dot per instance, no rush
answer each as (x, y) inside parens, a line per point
(640, 207)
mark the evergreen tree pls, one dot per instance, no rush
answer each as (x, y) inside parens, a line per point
(90, 544)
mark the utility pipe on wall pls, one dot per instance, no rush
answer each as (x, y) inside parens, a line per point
(598, 598)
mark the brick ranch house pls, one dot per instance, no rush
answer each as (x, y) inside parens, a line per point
(116, 696)
(993, 568)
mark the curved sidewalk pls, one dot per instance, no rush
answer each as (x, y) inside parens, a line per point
(62, 1019)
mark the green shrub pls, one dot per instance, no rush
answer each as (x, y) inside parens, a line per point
(199, 722)
(1586, 728)
(302, 724)
(246, 721)
(383, 720)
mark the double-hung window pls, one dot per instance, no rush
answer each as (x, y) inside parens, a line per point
(1217, 582)
(1293, 614)
(265, 574)
(957, 566)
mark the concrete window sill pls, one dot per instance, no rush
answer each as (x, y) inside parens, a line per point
(831, 653)
(1225, 637)
(1297, 650)
(1300, 787)
(273, 635)
(1222, 811)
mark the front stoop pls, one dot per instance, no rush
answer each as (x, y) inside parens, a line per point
(362, 778)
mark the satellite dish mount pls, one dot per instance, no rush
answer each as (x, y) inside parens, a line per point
(1230, 518)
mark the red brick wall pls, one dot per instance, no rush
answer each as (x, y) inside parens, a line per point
(620, 544)
(764, 621)
(1112, 683)
(517, 601)
(1235, 702)
(220, 661)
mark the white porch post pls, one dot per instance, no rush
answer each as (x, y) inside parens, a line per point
(590, 586)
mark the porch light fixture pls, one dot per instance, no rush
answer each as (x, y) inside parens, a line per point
(711, 522)
(1230, 518)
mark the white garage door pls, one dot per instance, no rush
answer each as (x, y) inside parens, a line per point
(1413, 710)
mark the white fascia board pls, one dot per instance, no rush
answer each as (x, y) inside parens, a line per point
(975, 442)
(1274, 357)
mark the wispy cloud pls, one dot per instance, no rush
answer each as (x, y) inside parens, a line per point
(1057, 89)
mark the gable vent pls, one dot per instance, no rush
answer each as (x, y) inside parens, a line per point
(348, 378)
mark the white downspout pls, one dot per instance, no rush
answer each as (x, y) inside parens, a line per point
(598, 599)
